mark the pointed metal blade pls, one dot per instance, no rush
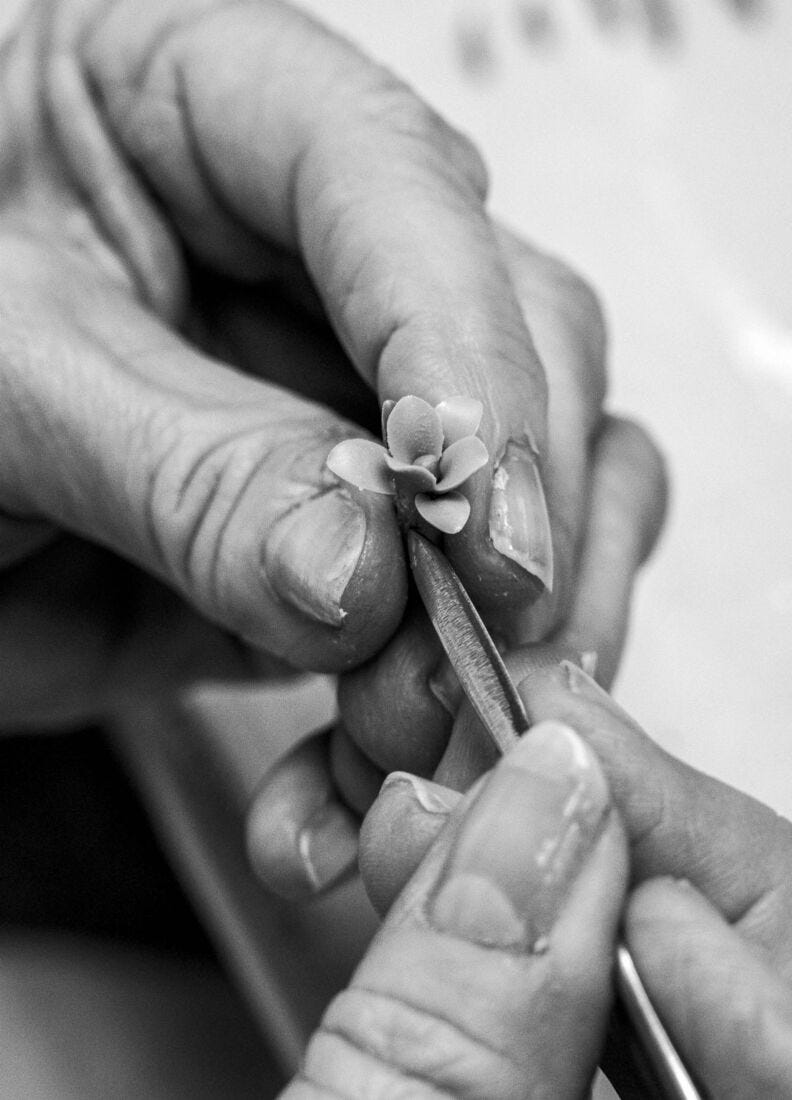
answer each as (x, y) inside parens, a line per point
(472, 652)
(491, 691)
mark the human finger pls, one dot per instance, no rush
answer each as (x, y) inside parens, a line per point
(627, 504)
(680, 822)
(400, 827)
(495, 962)
(625, 510)
(567, 324)
(253, 123)
(727, 1009)
(301, 836)
(409, 810)
(213, 481)
(399, 707)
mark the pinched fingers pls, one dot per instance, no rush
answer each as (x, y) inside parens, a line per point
(400, 708)
(254, 127)
(116, 429)
(735, 850)
(396, 712)
(489, 970)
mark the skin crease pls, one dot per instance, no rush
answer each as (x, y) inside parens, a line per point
(627, 498)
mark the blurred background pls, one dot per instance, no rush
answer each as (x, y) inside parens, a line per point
(649, 144)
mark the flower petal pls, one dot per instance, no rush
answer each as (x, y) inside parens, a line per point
(460, 416)
(414, 429)
(459, 461)
(362, 463)
(448, 513)
(409, 478)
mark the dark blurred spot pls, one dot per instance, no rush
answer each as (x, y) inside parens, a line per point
(535, 23)
(474, 45)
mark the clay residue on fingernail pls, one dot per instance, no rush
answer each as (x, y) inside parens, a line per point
(519, 523)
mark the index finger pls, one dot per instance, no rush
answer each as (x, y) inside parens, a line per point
(253, 124)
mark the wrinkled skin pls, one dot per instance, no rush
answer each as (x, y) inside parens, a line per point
(226, 238)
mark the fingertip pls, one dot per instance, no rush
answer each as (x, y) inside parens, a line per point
(300, 839)
(400, 827)
(337, 568)
(389, 706)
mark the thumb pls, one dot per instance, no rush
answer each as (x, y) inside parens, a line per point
(729, 1013)
(212, 480)
(491, 975)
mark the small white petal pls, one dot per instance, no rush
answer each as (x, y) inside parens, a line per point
(460, 461)
(363, 464)
(448, 513)
(414, 429)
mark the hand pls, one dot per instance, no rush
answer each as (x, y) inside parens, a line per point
(187, 190)
(489, 978)
(303, 824)
(715, 951)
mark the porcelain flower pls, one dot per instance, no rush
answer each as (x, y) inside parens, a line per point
(429, 454)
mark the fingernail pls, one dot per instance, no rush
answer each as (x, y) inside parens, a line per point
(519, 524)
(431, 797)
(445, 686)
(328, 847)
(312, 552)
(581, 683)
(523, 843)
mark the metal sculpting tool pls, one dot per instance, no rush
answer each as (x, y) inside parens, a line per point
(491, 691)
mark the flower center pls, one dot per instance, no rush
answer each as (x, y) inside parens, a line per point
(429, 462)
